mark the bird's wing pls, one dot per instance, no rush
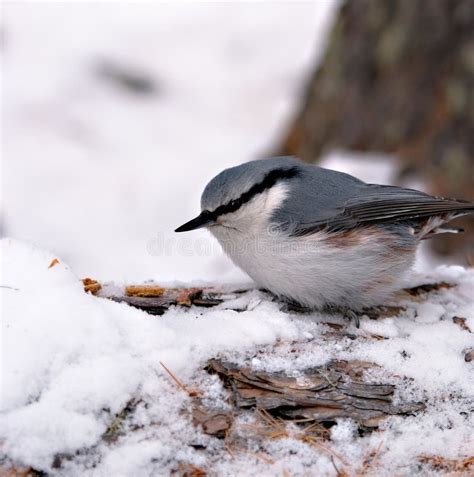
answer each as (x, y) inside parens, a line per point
(375, 204)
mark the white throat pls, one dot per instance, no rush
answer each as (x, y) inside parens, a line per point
(253, 217)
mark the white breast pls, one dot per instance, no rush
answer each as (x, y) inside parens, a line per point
(354, 269)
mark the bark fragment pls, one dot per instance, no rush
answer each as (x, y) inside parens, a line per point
(91, 286)
(321, 394)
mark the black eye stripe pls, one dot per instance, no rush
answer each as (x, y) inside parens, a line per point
(269, 181)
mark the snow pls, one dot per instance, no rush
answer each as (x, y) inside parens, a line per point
(72, 362)
(429, 313)
(68, 355)
(90, 170)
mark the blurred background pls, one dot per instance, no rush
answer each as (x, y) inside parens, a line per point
(116, 114)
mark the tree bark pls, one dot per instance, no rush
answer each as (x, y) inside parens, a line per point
(398, 77)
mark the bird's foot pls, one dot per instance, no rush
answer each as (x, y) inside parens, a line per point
(295, 307)
(287, 304)
(352, 317)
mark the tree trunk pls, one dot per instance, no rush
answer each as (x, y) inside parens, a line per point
(398, 77)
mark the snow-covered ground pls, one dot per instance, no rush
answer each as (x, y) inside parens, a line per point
(72, 362)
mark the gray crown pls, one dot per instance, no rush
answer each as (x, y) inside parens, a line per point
(231, 183)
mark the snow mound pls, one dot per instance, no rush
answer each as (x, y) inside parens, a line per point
(72, 363)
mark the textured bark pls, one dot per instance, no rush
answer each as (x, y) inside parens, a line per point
(398, 77)
(158, 305)
(210, 297)
(322, 394)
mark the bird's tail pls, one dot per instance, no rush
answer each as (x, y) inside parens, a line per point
(438, 224)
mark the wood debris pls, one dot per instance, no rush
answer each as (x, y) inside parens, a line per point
(370, 462)
(322, 394)
(18, 472)
(428, 288)
(214, 423)
(462, 323)
(144, 291)
(179, 383)
(267, 427)
(156, 300)
(188, 470)
(442, 464)
(91, 286)
(380, 312)
(53, 263)
(115, 428)
(469, 356)
(188, 295)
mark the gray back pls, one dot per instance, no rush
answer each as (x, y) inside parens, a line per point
(321, 197)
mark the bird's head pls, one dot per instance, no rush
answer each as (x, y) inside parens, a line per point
(245, 196)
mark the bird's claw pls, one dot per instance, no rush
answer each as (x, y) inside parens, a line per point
(352, 316)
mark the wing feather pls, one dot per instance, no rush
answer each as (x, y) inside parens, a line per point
(388, 204)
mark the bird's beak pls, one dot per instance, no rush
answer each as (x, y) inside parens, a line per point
(202, 220)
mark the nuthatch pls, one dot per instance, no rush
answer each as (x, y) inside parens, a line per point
(317, 237)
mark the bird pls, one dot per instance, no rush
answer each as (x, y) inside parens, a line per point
(320, 238)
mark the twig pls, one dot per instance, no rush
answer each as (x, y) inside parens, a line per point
(371, 460)
(179, 383)
(257, 455)
(338, 472)
(174, 378)
(312, 441)
(9, 288)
